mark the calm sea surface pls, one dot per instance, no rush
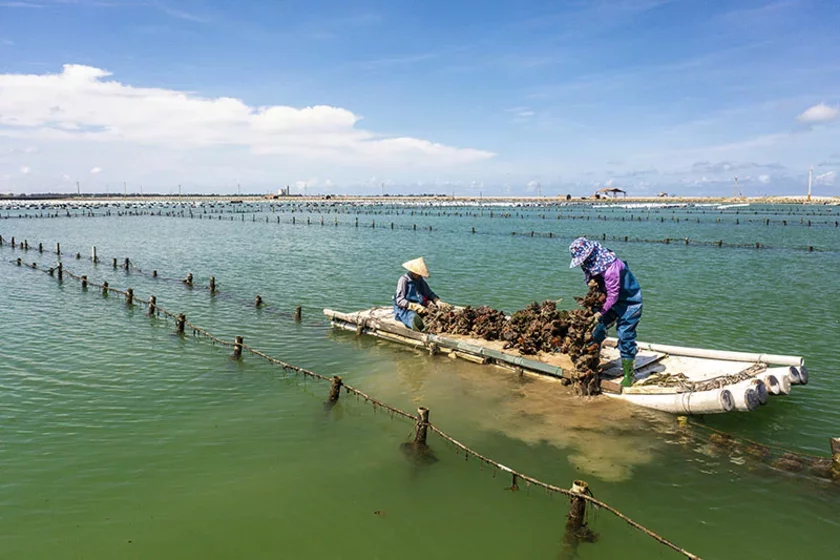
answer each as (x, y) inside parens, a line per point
(119, 439)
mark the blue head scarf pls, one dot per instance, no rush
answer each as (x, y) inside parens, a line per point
(592, 257)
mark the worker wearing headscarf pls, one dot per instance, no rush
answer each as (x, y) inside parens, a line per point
(414, 295)
(623, 304)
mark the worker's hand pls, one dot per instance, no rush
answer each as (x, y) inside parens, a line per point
(442, 304)
(597, 317)
(416, 307)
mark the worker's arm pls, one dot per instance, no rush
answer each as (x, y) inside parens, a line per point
(612, 284)
(402, 291)
(426, 291)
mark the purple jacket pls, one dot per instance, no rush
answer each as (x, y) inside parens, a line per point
(610, 282)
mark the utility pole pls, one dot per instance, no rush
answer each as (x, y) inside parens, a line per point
(125, 190)
(78, 189)
(735, 188)
(810, 177)
(179, 191)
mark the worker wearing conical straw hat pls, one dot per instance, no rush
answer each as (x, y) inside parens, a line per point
(414, 296)
(623, 303)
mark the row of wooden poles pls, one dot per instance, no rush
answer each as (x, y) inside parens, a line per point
(687, 217)
(576, 529)
(125, 265)
(551, 235)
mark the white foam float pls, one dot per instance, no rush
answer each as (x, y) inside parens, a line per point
(772, 383)
(714, 401)
(782, 376)
(746, 398)
(801, 374)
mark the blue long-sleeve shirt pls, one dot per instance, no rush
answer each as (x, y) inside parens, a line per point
(421, 286)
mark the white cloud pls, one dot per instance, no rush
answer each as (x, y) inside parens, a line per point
(818, 114)
(764, 179)
(826, 178)
(96, 171)
(25, 170)
(65, 177)
(80, 105)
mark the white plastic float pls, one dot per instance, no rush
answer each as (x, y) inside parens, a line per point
(676, 379)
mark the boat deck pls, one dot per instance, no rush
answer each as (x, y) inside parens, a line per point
(675, 379)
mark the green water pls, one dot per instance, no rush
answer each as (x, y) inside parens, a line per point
(120, 440)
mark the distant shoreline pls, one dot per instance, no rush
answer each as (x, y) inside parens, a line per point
(419, 199)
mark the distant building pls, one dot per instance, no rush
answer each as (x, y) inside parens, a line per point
(609, 191)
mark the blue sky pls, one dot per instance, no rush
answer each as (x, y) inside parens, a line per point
(466, 97)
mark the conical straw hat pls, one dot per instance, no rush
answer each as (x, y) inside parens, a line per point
(417, 266)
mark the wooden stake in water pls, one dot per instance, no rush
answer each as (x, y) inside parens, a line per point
(104, 288)
(84, 282)
(258, 301)
(422, 426)
(298, 312)
(576, 527)
(189, 279)
(152, 305)
(212, 284)
(93, 256)
(180, 322)
(129, 296)
(335, 390)
(237, 347)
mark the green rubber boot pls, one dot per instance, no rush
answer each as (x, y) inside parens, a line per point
(629, 373)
